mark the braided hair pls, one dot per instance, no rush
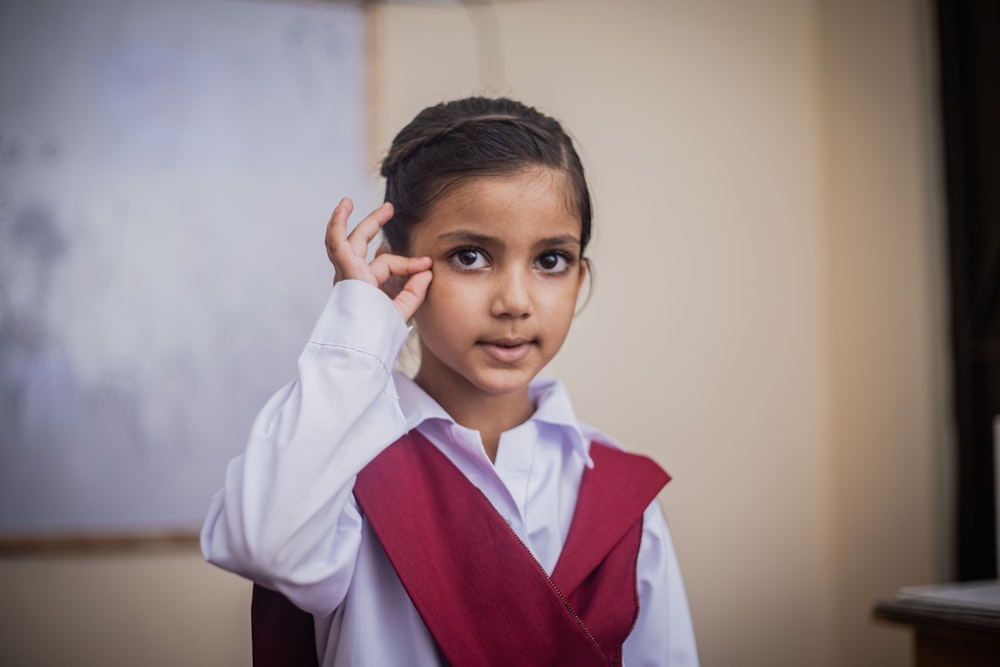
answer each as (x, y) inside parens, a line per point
(447, 144)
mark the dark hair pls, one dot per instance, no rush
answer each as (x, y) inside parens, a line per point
(452, 142)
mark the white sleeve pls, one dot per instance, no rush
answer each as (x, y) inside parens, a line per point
(286, 517)
(663, 634)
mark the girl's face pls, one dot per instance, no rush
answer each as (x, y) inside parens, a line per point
(507, 272)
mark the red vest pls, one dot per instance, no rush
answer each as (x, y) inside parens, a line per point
(483, 596)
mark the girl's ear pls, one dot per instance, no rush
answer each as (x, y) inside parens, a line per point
(586, 274)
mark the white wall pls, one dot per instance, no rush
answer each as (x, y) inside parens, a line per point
(766, 322)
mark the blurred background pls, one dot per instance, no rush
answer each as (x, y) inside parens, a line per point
(770, 317)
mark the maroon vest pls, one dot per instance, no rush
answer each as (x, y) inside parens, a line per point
(483, 596)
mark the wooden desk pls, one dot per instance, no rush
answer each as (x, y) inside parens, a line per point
(945, 637)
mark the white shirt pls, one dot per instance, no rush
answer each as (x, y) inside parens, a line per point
(287, 517)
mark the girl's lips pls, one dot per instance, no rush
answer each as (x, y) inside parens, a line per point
(507, 352)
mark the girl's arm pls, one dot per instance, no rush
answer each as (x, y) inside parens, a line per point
(663, 634)
(286, 517)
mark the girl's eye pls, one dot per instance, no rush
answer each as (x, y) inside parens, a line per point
(469, 258)
(553, 262)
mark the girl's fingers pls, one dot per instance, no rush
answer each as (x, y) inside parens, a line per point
(336, 231)
(368, 228)
(386, 265)
(413, 294)
(404, 279)
(349, 252)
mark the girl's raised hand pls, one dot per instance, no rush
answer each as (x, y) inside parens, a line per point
(349, 254)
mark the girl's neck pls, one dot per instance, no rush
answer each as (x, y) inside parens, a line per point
(489, 414)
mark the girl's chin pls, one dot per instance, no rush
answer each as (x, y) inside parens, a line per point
(496, 382)
(483, 379)
(503, 383)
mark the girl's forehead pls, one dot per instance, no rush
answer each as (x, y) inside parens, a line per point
(535, 181)
(535, 201)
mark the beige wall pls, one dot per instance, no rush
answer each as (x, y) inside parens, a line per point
(767, 320)
(155, 609)
(887, 420)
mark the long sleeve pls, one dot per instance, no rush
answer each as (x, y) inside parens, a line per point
(286, 517)
(663, 633)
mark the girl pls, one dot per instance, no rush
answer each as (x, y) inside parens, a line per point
(463, 516)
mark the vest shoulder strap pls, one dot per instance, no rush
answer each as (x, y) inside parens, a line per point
(613, 496)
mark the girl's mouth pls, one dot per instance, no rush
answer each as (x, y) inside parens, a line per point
(507, 350)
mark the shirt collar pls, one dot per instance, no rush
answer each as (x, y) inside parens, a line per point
(551, 400)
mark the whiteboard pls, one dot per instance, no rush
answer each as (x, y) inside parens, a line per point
(166, 173)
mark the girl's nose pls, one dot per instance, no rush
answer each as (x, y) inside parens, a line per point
(512, 295)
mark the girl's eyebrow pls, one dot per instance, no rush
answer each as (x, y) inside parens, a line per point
(465, 236)
(562, 240)
(474, 238)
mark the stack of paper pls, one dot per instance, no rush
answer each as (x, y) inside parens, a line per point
(974, 597)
